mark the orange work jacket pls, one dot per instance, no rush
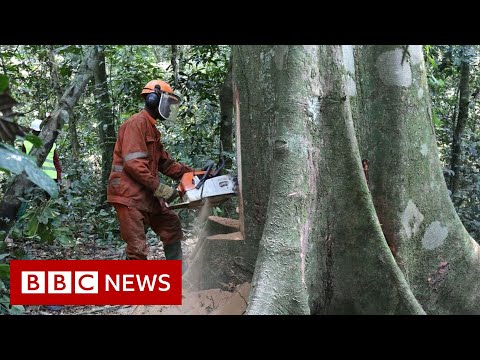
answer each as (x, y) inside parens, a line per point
(138, 157)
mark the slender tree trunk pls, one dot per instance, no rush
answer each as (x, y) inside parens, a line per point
(6, 108)
(438, 257)
(54, 74)
(455, 109)
(11, 203)
(226, 115)
(455, 161)
(157, 51)
(174, 62)
(106, 126)
(72, 131)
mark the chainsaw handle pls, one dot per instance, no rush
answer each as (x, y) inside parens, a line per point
(220, 166)
(207, 174)
(204, 177)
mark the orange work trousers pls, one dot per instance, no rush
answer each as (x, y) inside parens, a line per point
(163, 221)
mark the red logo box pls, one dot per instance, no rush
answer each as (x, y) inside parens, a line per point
(96, 282)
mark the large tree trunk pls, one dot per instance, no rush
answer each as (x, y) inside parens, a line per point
(455, 160)
(315, 256)
(323, 232)
(106, 126)
(226, 115)
(11, 203)
(439, 258)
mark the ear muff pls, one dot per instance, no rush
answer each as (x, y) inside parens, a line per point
(152, 99)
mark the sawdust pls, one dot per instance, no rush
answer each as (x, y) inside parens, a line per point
(230, 300)
(234, 223)
(205, 302)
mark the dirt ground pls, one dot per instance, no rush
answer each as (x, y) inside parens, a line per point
(227, 301)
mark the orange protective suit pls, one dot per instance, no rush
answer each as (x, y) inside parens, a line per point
(138, 157)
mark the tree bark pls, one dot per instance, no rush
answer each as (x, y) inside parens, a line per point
(315, 256)
(435, 252)
(174, 63)
(72, 131)
(455, 160)
(106, 126)
(328, 241)
(226, 116)
(157, 51)
(54, 74)
(11, 203)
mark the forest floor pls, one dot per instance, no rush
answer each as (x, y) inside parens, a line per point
(228, 301)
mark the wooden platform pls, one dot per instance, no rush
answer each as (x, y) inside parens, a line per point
(231, 236)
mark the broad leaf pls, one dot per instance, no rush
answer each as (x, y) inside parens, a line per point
(436, 120)
(16, 310)
(35, 140)
(3, 83)
(32, 226)
(4, 271)
(64, 236)
(16, 162)
(45, 233)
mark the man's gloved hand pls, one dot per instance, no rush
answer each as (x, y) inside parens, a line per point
(208, 164)
(166, 192)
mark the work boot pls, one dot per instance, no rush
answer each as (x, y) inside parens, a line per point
(174, 252)
(125, 257)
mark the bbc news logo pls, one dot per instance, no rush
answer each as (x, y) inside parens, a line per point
(95, 282)
(59, 282)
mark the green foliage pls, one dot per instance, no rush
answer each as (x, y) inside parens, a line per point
(194, 138)
(44, 222)
(29, 70)
(129, 68)
(5, 307)
(3, 83)
(34, 139)
(73, 218)
(14, 161)
(37, 76)
(443, 70)
(77, 215)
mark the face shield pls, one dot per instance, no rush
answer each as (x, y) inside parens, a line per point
(168, 106)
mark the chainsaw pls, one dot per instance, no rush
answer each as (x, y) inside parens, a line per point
(198, 188)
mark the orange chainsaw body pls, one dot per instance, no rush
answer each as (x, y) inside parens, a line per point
(187, 183)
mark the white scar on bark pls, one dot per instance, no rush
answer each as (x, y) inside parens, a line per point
(392, 70)
(416, 54)
(349, 64)
(434, 236)
(424, 149)
(302, 255)
(411, 219)
(420, 93)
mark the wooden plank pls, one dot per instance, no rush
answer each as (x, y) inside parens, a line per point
(232, 236)
(238, 142)
(233, 223)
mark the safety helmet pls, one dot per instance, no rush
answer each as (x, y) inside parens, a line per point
(35, 125)
(150, 87)
(158, 94)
